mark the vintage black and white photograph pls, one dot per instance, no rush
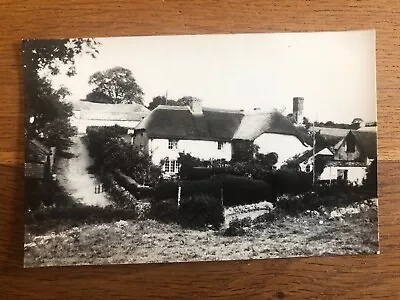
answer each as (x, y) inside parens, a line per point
(162, 149)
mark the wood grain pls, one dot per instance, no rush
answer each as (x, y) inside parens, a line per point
(313, 278)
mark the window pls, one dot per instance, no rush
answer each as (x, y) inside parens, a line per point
(166, 166)
(171, 166)
(220, 144)
(177, 166)
(173, 144)
(350, 144)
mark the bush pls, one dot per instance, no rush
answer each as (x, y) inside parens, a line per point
(44, 193)
(164, 211)
(201, 210)
(237, 227)
(338, 195)
(194, 212)
(289, 181)
(45, 219)
(110, 151)
(234, 189)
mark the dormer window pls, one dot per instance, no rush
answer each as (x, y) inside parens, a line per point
(350, 144)
(173, 144)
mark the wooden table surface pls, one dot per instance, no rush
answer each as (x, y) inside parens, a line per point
(348, 277)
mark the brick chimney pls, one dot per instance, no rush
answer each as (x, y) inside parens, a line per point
(298, 105)
(196, 106)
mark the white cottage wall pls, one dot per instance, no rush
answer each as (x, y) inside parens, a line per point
(286, 146)
(354, 175)
(206, 150)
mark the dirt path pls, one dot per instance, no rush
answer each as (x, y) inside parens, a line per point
(73, 176)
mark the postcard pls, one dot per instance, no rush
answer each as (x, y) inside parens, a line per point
(163, 149)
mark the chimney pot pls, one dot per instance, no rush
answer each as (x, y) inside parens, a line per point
(196, 106)
(298, 105)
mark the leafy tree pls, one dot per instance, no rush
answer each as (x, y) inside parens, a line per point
(109, 151)
(160, 100)
(185, 100)
(46, 114)
(98, 97)
(118, 84)
(371, 180)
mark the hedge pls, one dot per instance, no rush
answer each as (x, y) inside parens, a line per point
(234, 189)
(195, 212)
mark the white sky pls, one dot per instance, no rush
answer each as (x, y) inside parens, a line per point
(333, 71)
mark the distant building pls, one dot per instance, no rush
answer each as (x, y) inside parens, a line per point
(99, 114)
(39, 160)
(214, 134)
(352, 156)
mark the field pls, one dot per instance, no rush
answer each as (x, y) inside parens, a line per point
(349, 230)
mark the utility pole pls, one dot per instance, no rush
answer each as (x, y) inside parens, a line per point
(313, 148)
(314, 133)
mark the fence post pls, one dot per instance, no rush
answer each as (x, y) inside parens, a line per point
(179, 195)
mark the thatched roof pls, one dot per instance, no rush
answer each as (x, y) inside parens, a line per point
(367, 141)
(119, 112)
(256, 123)
(178, 122)
(214, 124)
(331, 135)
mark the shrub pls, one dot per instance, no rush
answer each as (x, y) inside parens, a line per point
(289, 181)
(323, 196)
(235, 190)
(201, 210)
(237, 226)
(110, 151)
(75, 214)
(164, 211)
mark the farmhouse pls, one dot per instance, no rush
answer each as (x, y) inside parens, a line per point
(352, 156)
(213, 134)
(99, 114)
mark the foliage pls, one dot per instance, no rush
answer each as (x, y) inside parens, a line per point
(234, 190)
(371, 181)
(46, 114)
(117, 84)
(98, 97)
(160, 100)
(58, 134)
(111, 152)
(289, 181)
(238, 227)
(39, 193)
(339, 194)
(42, 220)
(164, 210)
(201, 210)
(195, 212)
(244, 150)
(163, 100)
(258, 167)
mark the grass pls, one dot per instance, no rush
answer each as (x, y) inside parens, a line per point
(149, 241)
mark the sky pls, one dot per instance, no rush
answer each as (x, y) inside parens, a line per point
(333, 71)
